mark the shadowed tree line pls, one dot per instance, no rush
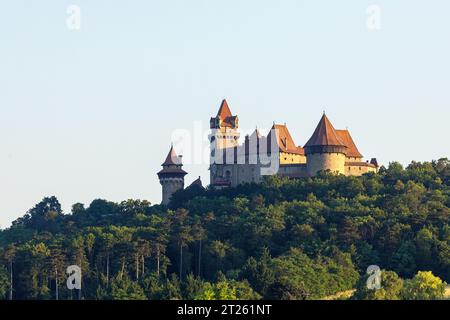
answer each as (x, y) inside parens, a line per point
(281, 239)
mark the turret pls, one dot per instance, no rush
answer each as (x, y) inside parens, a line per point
(171, 176)
(325, 150)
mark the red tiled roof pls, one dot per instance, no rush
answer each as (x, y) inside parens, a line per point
(284, 140)
(360, 164)
(224, 114)
(324, 135)
(224, 110)
(172, 158)
(197, 182)
(346, 138)
(173, 170)
(172, 165)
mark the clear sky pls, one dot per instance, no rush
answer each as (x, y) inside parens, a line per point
(89, 113)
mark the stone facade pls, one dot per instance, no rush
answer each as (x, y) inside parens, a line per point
(169, 187)
(233, 164)
(335, 162)
(171, 176)
(359, 168)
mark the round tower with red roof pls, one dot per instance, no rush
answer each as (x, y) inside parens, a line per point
(325, 150)
(171, 176)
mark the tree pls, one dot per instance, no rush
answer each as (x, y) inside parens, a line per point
(260, 272)
(182, 232)
(224, 289)
(285, 289)
(57, 265)
(141, 252)
(4, 283)
(424, 286)
(391, 288)
(403, 260)
(160, 240)
(218, 249)
(280, 239)
(107, 243)
(9, 255)
(199, 234)
(424, 243)
(123, 288)
(43, 216)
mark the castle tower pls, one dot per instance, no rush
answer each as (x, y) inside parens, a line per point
(171, 176)
(224, 141)
(224, 128)
(325, 150)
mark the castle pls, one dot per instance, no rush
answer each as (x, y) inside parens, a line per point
(232, 163)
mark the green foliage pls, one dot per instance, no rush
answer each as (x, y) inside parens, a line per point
(125, 289)
(299, 277)
(281, 239)
(224, 289)
(424, 286)
(391, 288)
(4, 283)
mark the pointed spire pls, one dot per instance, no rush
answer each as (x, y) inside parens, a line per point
(172, 158)
(324, 135)
(172, 166)
(224, 110)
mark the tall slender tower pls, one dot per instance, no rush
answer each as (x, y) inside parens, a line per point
(224, 140)
(171, 176)
(224, 128)
(325, 150)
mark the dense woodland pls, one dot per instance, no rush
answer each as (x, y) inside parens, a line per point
(282, 239)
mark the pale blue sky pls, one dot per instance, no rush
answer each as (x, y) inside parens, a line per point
(89, 114)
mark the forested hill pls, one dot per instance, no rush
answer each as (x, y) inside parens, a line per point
(282, 239)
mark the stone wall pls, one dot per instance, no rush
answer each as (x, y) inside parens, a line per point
(236, 173)
(169, 187)
(293, 171)
(335, 162)
(291, 158)
(358, 170)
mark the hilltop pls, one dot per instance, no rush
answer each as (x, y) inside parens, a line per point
(280, 239)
